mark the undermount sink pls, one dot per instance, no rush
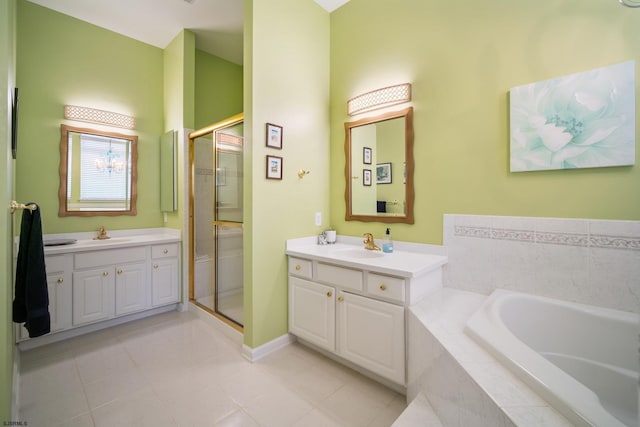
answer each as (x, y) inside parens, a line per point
(360, 253)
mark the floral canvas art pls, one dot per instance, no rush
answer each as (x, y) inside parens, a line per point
(583, 120)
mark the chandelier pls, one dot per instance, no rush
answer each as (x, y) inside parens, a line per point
(110, 162)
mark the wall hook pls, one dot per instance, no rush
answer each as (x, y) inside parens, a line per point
(302, 173)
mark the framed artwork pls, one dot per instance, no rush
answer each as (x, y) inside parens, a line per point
(383, 173)
(274, 136)
(584, 120)
(366, 177)
(366, 155)
(274, 167)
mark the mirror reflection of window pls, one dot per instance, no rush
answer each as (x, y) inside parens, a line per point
(97, 173)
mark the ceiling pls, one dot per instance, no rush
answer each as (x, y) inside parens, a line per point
(217, 24)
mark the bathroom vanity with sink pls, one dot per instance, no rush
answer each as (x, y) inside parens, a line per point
(97, 283)
(351, 302)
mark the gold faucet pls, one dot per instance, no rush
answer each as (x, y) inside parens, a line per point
(102, 234)
(369, 243)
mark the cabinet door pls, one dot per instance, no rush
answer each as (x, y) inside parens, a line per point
(165, 287)
(59, 300)
(312, 312)
(131, 288)
(93, 295)
(371, 334)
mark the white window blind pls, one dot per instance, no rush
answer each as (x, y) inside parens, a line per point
(103, 183)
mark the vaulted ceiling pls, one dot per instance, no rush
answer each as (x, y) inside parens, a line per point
(217, 24)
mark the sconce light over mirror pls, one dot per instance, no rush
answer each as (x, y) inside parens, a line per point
(379, 168)
(98, 173)
(379, 98)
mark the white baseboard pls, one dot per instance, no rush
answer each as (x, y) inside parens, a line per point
(255, 354)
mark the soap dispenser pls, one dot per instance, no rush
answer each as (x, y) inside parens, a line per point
(387, 244)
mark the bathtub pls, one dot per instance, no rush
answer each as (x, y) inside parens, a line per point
(581, 359)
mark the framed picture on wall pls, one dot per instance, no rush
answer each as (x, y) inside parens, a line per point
(274, 136)
(366, 177)
(366, 155)
(274, 167)
(383, 173)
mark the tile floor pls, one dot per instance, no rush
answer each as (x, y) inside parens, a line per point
(174, 369)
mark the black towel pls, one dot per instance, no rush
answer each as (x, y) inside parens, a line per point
(31, 302)
(381, 206)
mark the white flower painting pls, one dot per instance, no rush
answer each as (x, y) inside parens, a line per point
(584, 120)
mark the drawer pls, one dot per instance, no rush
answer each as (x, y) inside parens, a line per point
(386, 286)
(110, 257)
(164, 251)
(300, 267)
(339, 276)
(57, 263)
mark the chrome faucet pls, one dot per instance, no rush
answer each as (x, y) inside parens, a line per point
(369, 243)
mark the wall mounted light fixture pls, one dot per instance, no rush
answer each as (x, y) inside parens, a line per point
(92, 115)
(379, 98)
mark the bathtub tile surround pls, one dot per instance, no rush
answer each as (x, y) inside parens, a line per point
(595, 262)
(463, 383)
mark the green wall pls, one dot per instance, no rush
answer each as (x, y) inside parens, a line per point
(286, 83)
(179, 89)
(7, 82)
(462, 62)
(62, 60)
(218, 89)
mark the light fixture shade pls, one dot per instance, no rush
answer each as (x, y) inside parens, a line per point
(379, 98)
(92, 115)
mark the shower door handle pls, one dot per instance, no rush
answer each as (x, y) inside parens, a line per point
(228, 224)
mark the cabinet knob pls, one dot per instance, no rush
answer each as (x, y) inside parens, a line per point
(298, 267)
(155, 265)
(383, 287)
(119, 271)
(166, 251)
(329, 294)
(340, 299)
(105, 273)
(60, 280)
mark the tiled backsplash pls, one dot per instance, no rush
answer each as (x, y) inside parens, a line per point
(594, 262)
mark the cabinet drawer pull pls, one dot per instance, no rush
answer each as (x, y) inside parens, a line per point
(383, 287)
(166, 251)
(329, 294)
(155, 265)
(60, 280)
(105, 273)
(298, 267)
(340, 299)
(119, 271)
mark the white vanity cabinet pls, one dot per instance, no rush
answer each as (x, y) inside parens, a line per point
(351, 302)
(334, 311)
(165, 288)
(109, 283)
(95, 284)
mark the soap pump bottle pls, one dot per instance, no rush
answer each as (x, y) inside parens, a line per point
(387, 245)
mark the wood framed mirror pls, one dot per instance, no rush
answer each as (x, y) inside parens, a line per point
(379, 168)
(98, 173)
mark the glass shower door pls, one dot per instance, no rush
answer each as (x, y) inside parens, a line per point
(216, 220)
(228, 223)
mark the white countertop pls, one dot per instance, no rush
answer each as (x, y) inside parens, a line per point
(118, 239)
(407, 260)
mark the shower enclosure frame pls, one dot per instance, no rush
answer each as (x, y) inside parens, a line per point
(211, 129)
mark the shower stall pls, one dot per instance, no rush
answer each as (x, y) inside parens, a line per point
(216, 219)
